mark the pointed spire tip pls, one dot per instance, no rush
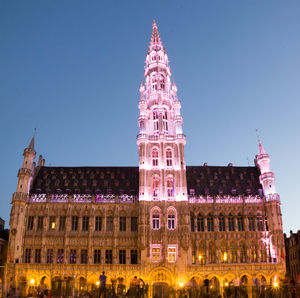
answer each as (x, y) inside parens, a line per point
(154, 26)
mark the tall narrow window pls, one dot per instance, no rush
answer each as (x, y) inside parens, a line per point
(27, 255)
(60, 256)
(134, 224)
(74, 223)
(154, 157)
(62, 223)
(30, 223)
(73, 256)
(52, 223)
(85, 223)
(243, 253)
(40, 223)
(155, 187)
(108, 256)
(251, 223)
(37, 256)
(259, 221)
(155, 221)
(122, 256)
(221, 223)
(240, 221)
(192, 219)
(165, 121)
(156, 254)
(266, 224)
(200, 223)
(171, 254)
(169, 158)
(170, 187)
(155, 121)
(49, 256)
(97, 256)
(109, 224)
(210, 223)
(171, 221)
(98, 223)
(230, 223)
(84, 256)
(162, 81)
(154, 82)
(133, 256)
(122, 224)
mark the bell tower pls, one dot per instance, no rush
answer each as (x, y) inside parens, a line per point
(160, 140)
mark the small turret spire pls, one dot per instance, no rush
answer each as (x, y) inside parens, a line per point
(31, 144)
(261, 148)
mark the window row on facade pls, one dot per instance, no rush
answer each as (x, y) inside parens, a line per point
(81, 223)
(240, 254)
(230, 223)
(156, 218)
(79, 256)
(168, 156)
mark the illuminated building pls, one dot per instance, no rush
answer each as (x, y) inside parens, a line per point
(292, 247)
(165, 222)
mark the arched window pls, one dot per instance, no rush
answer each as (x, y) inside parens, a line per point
(259, 221)
(165, 121)
(210, 223)
(230, 223)
(155, 187)
(240, 221)
(155, 218)
(200, 223)
(169, 157)
(251, 223)
(170, 187)
(221, 223)
(171, 218)
(154, 157)
(155, 121)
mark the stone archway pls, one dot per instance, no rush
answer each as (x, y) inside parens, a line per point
(161, 281)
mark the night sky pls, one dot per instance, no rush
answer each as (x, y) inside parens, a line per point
(72, 69)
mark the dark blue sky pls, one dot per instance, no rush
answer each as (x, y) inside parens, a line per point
(73, 69)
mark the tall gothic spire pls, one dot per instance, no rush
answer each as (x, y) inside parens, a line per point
(155, 42)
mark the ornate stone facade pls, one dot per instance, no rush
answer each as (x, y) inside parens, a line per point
(162, 221)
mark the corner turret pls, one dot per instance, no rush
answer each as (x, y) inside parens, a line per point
(267, 178)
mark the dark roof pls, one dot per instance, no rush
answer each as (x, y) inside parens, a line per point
(215, 180)
(102, 180)
(201, 180)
